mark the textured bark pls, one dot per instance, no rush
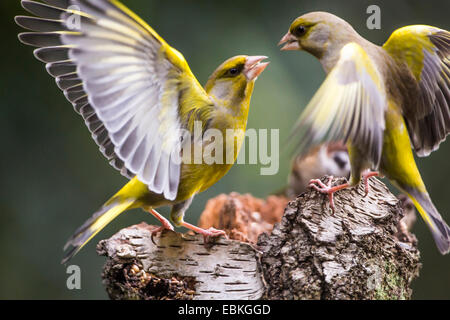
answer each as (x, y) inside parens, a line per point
(312, 253)
(352, 253)
(178, 266)
(243, 217)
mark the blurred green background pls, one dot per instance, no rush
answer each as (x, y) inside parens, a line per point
(53, 177)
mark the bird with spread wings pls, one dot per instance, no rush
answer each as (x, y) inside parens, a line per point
(382, 101)
(138, 97)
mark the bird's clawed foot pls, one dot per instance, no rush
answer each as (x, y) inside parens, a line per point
(206, 233)
(166, 225)
(213, 233)
(160, 230)
(366, 175)
(321, 187)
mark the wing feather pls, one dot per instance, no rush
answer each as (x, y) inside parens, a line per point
(425, 51)
(349, 106)
(123, 79)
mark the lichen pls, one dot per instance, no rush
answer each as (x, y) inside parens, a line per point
(393, 285)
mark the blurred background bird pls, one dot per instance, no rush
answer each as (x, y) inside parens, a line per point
(325, 159)
(381, 100)
(136, 95)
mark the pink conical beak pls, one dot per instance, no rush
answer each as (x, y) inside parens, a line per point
(254, 67)
(291, 42)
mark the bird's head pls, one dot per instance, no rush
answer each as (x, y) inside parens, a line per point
(319, 33)
(233, 80)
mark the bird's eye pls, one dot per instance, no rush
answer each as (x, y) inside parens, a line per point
(299, 31)
(233, 71)
(340, 159)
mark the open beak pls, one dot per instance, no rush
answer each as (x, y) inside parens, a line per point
(290, 42)
(253, 67)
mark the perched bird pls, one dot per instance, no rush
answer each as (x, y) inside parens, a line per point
(325, 159)
(139, 98)
(380, 101)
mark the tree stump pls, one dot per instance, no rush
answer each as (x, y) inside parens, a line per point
(361, 251)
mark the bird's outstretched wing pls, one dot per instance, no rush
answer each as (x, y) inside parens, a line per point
(425, 51)
(123, 78)
(349, 106)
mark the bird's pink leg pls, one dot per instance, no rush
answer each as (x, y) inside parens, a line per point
(165, 223)
(327, 189)
(366, 175)
(206, 233)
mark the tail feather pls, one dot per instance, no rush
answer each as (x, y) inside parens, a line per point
(437, 225)
(93, 225)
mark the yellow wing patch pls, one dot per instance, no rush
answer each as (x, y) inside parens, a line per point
(349, 106)
(408, 43)
(425, 51)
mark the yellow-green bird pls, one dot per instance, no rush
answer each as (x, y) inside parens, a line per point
(383, 101)
(139, 98)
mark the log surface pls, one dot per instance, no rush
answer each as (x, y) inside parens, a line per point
(353, 253)
(227, 269)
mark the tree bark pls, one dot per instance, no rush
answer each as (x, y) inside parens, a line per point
(361, 251)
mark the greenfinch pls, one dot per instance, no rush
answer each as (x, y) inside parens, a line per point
(382, 101)
(138, 97)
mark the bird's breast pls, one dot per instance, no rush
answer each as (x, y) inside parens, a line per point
(397, 159)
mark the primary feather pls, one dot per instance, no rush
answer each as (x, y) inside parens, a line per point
(122, 78)
(425, 51)
(349, 106)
